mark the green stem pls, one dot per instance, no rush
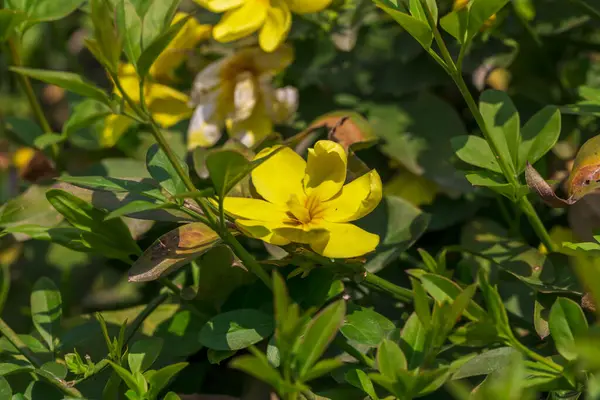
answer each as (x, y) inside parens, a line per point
(504, 164)
(534, 356)
(383, 285)
(16, 341)
(31, 97)
(177, 291)
(141, 317)
(248, 259)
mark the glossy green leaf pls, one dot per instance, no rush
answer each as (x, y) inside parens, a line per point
(485, 363)
(127, 377)
(366, 326)
(142, 186)
(107, 44)
(136, 206)
(15, 367)
(129, 24)
(258, 367)
(160, 379)
(216, 356)
(497, 183)
(566, 322)
(413, 341)
(157, 16)
(391, 362)
(319, 333)
(173, 250)
(322, 367)
(45, 10)
(495, 307)
(57, 369)
(161, 169)
(399, 224)
(358, 378)
(67, 80)
(85, 114)
(30, 207)
(235, 330)
(474, 150)
(456, 24)
(479, 12)
(414, 26)
(502, 122)
(46, 310)
(143, 353)
(540, 134)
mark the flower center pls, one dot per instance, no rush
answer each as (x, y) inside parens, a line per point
(304, 212)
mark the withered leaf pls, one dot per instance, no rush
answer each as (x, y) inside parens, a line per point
(172, 250)
(543, 189)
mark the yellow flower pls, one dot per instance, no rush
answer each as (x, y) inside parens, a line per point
(272, 18)
(307, 202)
(167, 105)
(460, 4)
(236, 92)
(22, 156)
(176, 52)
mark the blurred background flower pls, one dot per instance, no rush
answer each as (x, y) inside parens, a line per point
(236, 92)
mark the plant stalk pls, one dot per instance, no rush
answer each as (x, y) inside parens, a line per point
(360, 357)
(524, 204)
(384, 285)
(16, 341)
(534, 356)
(25, 83)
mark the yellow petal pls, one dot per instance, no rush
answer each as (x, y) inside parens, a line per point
(344, 241)
(254, 209)
(273, 62)
(262, 230)
(129, 82)
(114, 127)
(325, 170)
(305, 234)
(280, 176)
(241, 22)
(167, 105)
(357, 199)
(276, 26)
(202, 133)
(22, 157)
(308, 6)
(219, 5)
(178, 49)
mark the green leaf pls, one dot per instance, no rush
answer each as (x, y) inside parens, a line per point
(49, 10)
(216, 356)
(85, 217)
(235, 330)
(9, 20)
(415, 27)
(366, 327)
(143, 186)
(25, 130)
(29, 207)
(173, 250)
(503, 124)
(85, 114)
(479, 12)
(130, 28)
(157, 46)
(161, 378)
(319, 333)
(46, 310)
(358, 378)
(390, 360)
(5, 389)
(566, 322)
(172, 396)
(413, 341)
(443, 289)
(127, 377)
(15, 367)
(48, 139)
(57, 369)
(485, 363)
(321, 368)
(399, 224)
(259, 368)
(497, 183)
(475, 151)
(421, 303)
(136, 206)
(143, 353)
(456, 23)
(540, 134)
(108, 44)
(495, 307)
(157, 17)
(161, 169)
(67, 80)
